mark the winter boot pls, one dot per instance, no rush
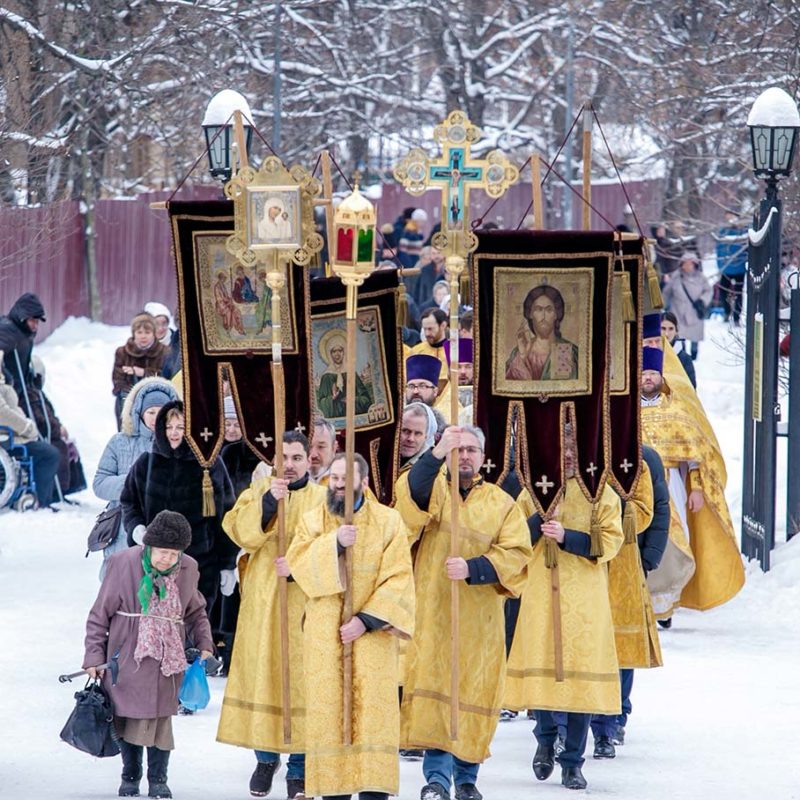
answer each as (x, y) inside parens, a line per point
(434, 791)
(604, 748)
(544, 761)
(261, 779)
(157, 761)
(468, 791)
(296, 788)
(572, 778)
(131, 768)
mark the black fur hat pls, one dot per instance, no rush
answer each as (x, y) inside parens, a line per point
(169, 530)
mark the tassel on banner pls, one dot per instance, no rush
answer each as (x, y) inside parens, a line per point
(402, 304)
(653, 287)
(209, 509)
(629, 523)
(550, 553)
(463, 287)
(596, 548)
(628, 309)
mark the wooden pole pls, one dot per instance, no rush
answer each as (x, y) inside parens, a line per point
(275, 281)
(587, 164)
(455, 266)
(536, 189)
(349, 455)
(327, 195)
(241, 153)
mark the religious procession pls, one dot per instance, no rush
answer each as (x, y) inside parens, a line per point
(397, 498)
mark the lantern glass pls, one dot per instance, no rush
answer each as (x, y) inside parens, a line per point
(344, 245)
(365, 245)
(219, 148)
(773, 149)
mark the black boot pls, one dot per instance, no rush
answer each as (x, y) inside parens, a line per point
(131, 768)
(543, 761)
(157, 761)
(572, 778)
(296, 788)
(604, 747)
(261, 779)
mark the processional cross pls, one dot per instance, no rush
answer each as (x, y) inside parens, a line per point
(455, 172)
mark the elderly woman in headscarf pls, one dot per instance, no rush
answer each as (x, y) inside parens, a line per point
(138, 417)
(148, 598)
(417, 433)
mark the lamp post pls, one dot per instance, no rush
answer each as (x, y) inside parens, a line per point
(774, 123)
(218, 128)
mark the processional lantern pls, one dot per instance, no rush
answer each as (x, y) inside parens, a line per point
(354, 235)
(218, 129)
(774, 123)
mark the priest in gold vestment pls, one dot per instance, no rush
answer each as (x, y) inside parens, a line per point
(494, 551)
(434, 331)
(252, 709)
(675, 425)
(383, 604)
(578, 541)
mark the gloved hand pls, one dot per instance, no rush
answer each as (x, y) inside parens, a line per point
(227, 581)
(138, 534)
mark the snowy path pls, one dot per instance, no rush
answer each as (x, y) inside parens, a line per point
(720, 720)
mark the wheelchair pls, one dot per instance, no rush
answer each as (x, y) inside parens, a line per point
(17, 479)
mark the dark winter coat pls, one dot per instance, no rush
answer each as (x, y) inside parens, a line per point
(17, 340)
(129, 355)
(172, 357)
(240, 461)
(142, 692)
(686, 361)
(653, 541)
(173, 479)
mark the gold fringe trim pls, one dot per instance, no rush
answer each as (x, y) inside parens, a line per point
(629, 523)
(596, 548)
(463, 287)
(550, 553)
(402, 305)
(628, 309)
(656, 299)
(209, 509)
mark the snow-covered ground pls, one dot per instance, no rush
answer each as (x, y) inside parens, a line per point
(719, 720)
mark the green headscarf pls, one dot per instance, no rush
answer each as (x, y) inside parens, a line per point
(148, 582)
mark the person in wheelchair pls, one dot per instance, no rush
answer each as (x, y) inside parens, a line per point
(45, 457)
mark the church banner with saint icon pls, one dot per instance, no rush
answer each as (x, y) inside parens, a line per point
(225, 322)
(378, 384)
(542, 312)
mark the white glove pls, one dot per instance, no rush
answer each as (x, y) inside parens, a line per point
(138, 534)
(227, 581)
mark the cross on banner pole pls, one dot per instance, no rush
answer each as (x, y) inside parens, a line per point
(252, 243)
(455, 172)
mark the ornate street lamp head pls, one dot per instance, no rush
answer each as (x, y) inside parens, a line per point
(218, 129)
(774, 124)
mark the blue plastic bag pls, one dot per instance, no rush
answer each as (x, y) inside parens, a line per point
(194, 693)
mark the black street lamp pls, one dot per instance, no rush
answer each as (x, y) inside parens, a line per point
(218, 128)
(774, 123)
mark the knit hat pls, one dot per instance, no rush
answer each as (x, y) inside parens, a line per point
(143, 320)
(652, 359)
(230, 407)
(651, 325)
(169, 530)
(155, 397)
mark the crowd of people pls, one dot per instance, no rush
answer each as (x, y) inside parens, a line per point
(556, 611)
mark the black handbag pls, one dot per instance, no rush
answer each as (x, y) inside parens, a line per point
(698, 305)
(90, 727)
(105, 529)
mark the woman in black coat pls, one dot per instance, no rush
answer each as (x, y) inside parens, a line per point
(170, 477)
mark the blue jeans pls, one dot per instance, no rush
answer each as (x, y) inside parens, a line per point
(546, 731)
(295, 767)
(439, 766)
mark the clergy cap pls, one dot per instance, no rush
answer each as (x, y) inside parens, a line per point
(421, 367)
(652, 359)
(464, 350)
(651, 325)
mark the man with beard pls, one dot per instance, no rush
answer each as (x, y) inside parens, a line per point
(252, 711)
(495, 549)
(417, 433)
(17, 332)
(323, 448)
(383, 604)
(434, 328)
(579, 539)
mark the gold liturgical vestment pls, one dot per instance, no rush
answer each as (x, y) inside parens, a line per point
(490, 525)
(635, 631)
(680, 431)
(591, 671)
(252, 710)
(383, 587)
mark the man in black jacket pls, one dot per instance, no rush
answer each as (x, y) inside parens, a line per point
(17, 332)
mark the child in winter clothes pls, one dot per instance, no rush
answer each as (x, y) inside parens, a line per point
(147, 602)
(142, 356)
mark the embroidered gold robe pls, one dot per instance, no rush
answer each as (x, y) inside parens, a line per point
(252, 709)
(678, 429)
(591, 670)
(490, 525)
(635, 630)
(442, 405)
(383, 587)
